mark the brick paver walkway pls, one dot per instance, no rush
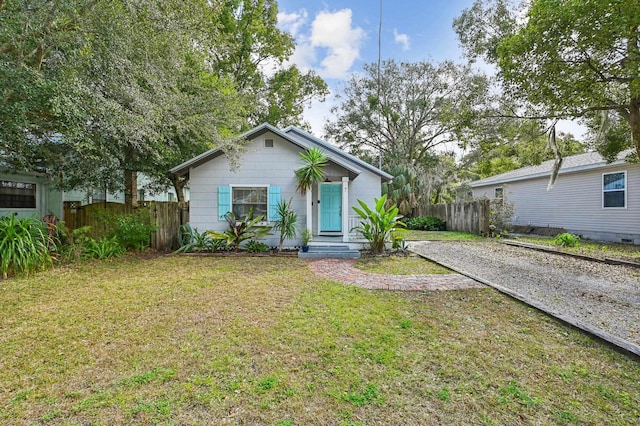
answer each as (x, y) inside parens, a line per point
(344, 271)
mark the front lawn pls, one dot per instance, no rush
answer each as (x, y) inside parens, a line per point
(205, 340)
(400, 265)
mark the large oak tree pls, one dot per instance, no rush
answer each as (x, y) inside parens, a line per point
(563, 58)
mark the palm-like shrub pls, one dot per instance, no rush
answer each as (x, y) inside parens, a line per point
(313, 170)
(377, 225)
(285, 222)
(241, 230)
(23, 245)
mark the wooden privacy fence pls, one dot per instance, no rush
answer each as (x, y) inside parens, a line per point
(166, 216)
(472, 217)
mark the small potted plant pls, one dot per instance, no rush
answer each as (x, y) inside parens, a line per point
(306, 237)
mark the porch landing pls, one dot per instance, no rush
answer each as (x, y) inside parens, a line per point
(332, 247)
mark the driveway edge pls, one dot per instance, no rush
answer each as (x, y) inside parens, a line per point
(623, 344)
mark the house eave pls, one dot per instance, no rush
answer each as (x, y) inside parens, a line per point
(333, 157)
(337, 151)
(495, 181)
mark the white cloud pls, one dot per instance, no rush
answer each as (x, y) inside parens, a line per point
(317, 114)
(331, 39)
(292, 22)
(401, 39)
(334, 31)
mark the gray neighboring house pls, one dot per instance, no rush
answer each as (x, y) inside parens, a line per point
(591, 198)
(266, 174)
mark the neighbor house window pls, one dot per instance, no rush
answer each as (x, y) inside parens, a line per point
(244, 199)
(498, 195)
(17, 195)
(99, 196)
(614, 190)
(140, 194)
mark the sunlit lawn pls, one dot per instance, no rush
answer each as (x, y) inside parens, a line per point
(203, 340)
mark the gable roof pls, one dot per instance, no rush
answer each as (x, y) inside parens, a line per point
(571, 164)
(301, 135)
(297, 137)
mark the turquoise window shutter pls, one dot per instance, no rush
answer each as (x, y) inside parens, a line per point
(274, 199)
(224, 201)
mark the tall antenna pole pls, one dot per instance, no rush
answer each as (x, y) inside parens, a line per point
(378, 94)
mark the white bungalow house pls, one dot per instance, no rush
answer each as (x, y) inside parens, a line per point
(266, 174)
(591, 198)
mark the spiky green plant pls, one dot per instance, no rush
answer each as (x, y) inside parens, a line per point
(285, 222)
(103, 248)
(378, 224)
(313, 170)
(241, 230)
(23, 245)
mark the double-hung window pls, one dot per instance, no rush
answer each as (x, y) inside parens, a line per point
(244, 199)
(240, 199)
(17, 195)
(614, 190)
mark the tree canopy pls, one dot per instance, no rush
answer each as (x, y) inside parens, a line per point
(415, 108)
(564, 59)
(406, 115)
(91, 89)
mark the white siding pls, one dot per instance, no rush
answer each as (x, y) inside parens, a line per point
(574, 203)
(265, 166)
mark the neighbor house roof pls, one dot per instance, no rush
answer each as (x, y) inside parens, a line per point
(296, 136)
(571, 164)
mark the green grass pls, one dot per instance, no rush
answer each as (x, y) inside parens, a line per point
(189, 340)
(400, 265)
(440, 236)
(591, 248)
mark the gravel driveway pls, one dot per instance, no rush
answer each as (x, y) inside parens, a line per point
(603, 296)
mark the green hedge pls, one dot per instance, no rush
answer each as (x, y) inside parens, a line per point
(424, 223)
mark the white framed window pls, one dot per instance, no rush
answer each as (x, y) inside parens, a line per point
(17, 195)
(245, 198)
(99, 196)
(268, 143)
(239, 199)
(498, 194)
(614, 190)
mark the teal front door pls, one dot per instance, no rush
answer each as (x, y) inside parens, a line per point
(330, 207)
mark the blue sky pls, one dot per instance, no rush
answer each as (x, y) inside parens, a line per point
(336, 37)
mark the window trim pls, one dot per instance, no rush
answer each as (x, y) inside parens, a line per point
(36, 195)
(244, 185)
(495, 190)
(626, 189)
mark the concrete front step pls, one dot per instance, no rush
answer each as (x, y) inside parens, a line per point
(328, 247)
(329, 252)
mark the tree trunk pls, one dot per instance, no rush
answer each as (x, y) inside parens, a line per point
(178, 185)
(634, 123)
(131, 187)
